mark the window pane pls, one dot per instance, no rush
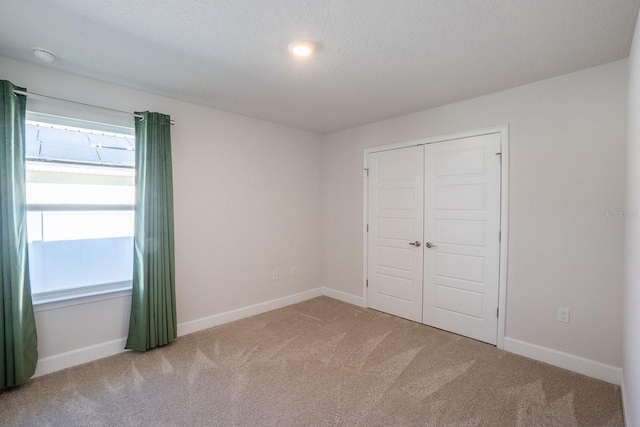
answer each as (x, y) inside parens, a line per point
(58, 226)
(80, 146)
(63, 263)
(74, 249)
(79, 194)
(34, 226)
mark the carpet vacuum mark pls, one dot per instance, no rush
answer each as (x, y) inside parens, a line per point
(317, 363)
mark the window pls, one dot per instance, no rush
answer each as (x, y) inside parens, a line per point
(80, 196)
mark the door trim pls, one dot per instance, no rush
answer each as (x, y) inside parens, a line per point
(504, 210)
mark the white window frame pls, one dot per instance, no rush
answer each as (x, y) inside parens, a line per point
(49, 300)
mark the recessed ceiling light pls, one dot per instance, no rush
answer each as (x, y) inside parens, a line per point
(302, 48)
(44, 55)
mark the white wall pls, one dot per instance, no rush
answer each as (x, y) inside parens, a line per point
(567, 166)
(632, 250)
(247, 201)
(252, 196)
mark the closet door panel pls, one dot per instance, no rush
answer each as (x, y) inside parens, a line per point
(396, 220)
(462, 226)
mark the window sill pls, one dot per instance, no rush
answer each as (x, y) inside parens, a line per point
(65, 298)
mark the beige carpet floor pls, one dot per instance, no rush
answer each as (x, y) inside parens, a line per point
(317, 363)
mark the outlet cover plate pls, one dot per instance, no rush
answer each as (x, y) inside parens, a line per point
(563, 314)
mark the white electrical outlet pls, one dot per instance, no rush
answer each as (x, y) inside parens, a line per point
(275, 275)
(563, 314)
(292, 272)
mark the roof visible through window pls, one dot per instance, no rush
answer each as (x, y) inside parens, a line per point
(47, 143)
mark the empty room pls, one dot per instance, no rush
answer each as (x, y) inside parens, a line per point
(320, 213)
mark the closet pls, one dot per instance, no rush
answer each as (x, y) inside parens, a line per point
(433, 234)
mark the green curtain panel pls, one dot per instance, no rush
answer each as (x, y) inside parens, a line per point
(153, 304)
(18, 338)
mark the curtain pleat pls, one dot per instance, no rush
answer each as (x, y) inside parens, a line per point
(18, 338)
(153, 305)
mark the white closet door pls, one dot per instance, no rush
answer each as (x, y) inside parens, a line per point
(396, 221)
(462, 226)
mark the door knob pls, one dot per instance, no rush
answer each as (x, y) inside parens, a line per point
(416, 244)
(430, 245)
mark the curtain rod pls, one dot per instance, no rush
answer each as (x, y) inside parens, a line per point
(38, 96)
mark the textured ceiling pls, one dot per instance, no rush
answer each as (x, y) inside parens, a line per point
(378, 58)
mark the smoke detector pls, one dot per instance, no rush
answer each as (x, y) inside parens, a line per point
(44, 55)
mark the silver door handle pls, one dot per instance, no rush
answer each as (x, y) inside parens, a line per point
(416, 244)
(430, 245)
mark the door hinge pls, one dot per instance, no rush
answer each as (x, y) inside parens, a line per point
(367, 228)
(498, 312)
(499, 154)
(367, 283)
(500, 236)
(367, 169)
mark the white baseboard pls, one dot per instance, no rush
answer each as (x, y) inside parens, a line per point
(581, 365)
(79, 356)
(240, 313)
(88, 354)
(343, 296)
(568, 361)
